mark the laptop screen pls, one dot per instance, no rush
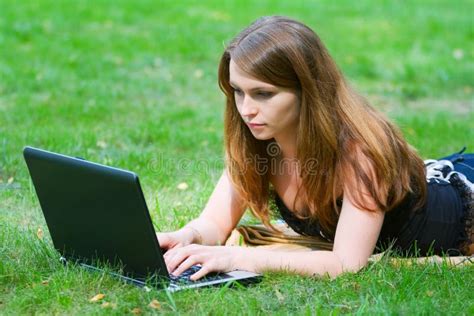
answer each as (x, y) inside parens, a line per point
(95, 212)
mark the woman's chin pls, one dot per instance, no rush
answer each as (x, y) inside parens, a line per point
(262, 136)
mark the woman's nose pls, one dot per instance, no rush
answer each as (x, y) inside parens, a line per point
(249, 108)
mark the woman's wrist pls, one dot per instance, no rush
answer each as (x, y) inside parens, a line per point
(196, 235)
(250, 258)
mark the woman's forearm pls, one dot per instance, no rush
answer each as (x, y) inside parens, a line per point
(305, 263)
(206, 232)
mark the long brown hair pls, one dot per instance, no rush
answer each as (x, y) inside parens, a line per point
(338, 130)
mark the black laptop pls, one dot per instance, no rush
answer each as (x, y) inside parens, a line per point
(97, 214)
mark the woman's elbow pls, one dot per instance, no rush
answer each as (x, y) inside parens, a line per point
(347, 265)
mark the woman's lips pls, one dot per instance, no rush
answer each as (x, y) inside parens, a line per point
(255, 125)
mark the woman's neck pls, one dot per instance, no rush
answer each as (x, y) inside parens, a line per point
(287, 146)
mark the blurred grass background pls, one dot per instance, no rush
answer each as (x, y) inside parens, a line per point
(133, 84)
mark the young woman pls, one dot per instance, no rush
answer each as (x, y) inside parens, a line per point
(296, 132)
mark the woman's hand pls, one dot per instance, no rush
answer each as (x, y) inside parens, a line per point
(211, 259)
(176, 239)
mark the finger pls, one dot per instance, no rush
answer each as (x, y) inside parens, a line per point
(164, 240)
(172, 250)
(178, 245)
(185, 265)
(168, 256)
(178, 257)
(205, 269)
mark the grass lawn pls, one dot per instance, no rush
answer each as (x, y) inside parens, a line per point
(133, 84)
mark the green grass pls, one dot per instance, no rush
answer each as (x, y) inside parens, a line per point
(133, 84)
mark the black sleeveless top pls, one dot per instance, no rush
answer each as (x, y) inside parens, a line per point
(309, 227)
(435, 228)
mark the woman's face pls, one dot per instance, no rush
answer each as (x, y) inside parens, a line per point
(268, 110)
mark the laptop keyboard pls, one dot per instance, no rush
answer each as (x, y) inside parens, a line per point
(184, 278)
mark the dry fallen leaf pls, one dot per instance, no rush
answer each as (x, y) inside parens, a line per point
(108, 305)
(429, 293)
(182, 186)
(155, 304)
(39, 234)
(45, 282)
(136, 311)
(97, 298)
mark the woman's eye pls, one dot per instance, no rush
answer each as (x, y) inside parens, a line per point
(264, 94)
(259, 94)
(237, 92)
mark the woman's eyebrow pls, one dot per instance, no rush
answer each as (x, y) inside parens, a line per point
(253, 89)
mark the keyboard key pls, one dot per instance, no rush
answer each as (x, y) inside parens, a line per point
(184, 278)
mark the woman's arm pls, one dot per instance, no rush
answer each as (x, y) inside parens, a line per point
(355, 239)
(220, 216)
(356, 235)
